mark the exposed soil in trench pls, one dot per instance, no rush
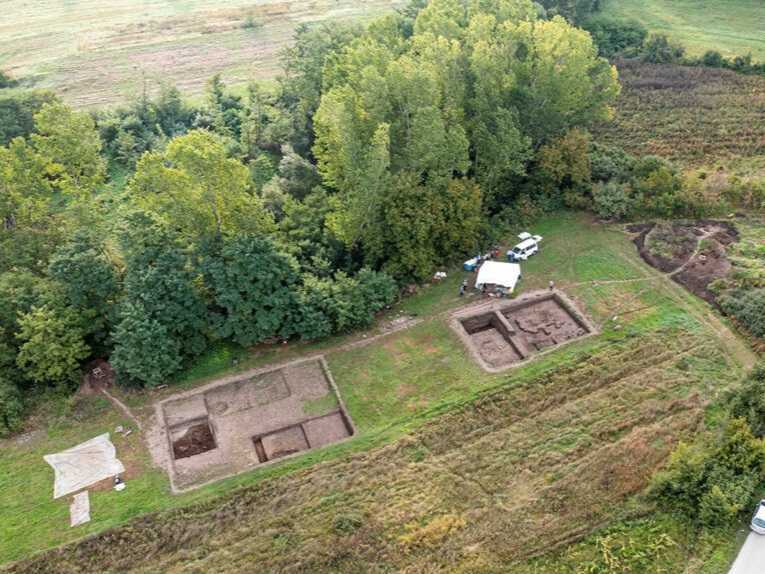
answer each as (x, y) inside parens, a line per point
(197, 439)
(693, 254)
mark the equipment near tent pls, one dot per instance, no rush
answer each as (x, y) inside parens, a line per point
(498, 276)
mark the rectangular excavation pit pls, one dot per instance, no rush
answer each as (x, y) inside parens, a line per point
(492, 338)
(312, 433)
(235, 424)
(192, 438)
(503, 334)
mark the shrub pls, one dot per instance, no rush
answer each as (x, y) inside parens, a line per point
(657, 49)
(713, 59)
(614, 36)
(347, 523)
(7, 81)
(610, 163)
(11, 407)
(315, 301)
(612, 200)
(628, 549)
(351, 307)
(748, 402)
(658, 192)
(565, 162)
(748, 307)
(250, 23)
(378, 290)
(714, 482)
(343, 303)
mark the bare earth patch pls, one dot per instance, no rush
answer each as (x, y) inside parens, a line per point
(501, 335)
(694, 254)
(230, 426)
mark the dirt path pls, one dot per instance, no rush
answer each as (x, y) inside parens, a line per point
(696, 250)
(123, 408)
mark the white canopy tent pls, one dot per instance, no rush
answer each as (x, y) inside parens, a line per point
(498, 273)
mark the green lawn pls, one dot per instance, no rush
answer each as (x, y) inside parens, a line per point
(732, 27)
(391, 386)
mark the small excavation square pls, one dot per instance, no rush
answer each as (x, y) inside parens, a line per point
(192, 439)
(284, 442)
(504, 334)
(229, 426)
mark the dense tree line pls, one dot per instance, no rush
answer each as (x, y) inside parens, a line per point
(625, 38)
(148, 232)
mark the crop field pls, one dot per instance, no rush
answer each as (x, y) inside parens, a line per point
(100, 52)
(451, 468)
(696, 116)
(732, 27)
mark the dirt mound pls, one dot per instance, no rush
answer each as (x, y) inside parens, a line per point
(692, 253)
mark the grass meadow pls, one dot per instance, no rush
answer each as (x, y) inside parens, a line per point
(732, 27)
(95, 53)
(443, 447)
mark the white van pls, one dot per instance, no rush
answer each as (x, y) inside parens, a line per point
(528, 246)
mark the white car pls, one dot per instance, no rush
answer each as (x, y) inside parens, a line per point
(758, 520)
(528, 246)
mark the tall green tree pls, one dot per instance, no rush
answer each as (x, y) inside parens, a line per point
(29, 223)
(301, 85)
(17, 111)
(70, 142)
(88, 279)
(159, 277)
(52, 344)
(473, 89)
(196, 188)
(252, 288)
(145, 350)
(561, 81)
(161, 318)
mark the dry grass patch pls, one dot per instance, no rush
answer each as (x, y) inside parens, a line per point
(96, 53)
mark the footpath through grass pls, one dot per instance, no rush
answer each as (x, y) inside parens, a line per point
(407, 381)
(732, 27)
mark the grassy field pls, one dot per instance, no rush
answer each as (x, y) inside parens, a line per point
(100, 52)
(695, 116)
(732, 27)
(452, 467)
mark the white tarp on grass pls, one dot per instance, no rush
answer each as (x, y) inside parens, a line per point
(79, 509)
(498, 273)
(85, 464)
